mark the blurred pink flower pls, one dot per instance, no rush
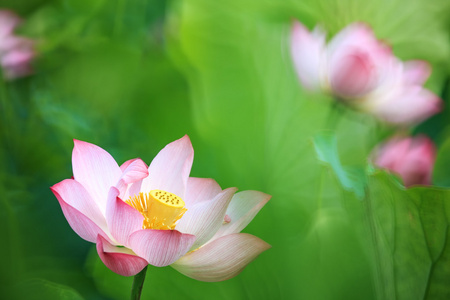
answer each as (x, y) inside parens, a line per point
(362, 71)
(16, 53)
(158, 215)
(410, 157)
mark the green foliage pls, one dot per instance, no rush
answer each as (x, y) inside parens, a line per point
(442, 165)
(405, 232)
(410, 239)
(36, 289)
(326, 148)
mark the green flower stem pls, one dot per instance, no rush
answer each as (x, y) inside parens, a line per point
(334, 115)
(138, 283)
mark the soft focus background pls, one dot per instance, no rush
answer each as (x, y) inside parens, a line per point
(132, 76)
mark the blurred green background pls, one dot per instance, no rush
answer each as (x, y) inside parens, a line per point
(132, 76)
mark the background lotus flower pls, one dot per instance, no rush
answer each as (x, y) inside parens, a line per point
(411, 157)
(363, 72)
(158, 215)
(16, 53)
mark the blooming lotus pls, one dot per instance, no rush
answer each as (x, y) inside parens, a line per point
(361, 71)
(158, 215)
(16, 53)
(411, 157)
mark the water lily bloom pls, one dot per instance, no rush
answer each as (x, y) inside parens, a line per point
(16, 53)
(158, 215)
(410, 157)
(362, 71)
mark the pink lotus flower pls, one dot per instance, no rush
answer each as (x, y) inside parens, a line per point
(411, 157)
(362, 71)
(16, 53)
(158, 215)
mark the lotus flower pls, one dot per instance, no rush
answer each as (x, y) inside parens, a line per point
(16, 53)
(410, 157)
(361, 71)
(158, 215)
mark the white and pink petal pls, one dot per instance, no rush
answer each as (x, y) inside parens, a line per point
(75, 195)
(160, 247)
(307, 51)
(82, 225)
(416, 72)
(169, 170)
(133, 171)
(119, 260)
(122, 219)
(352, 75)
(359, 37)
(125, 165)
(242, 209)
(200, 190)
(221, 259)
(408, 105)
(95, 169)
(204, 219)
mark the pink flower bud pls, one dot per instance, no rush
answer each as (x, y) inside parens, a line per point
(356, 61)
(412, 158)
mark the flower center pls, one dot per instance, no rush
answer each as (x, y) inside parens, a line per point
(161, 209)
